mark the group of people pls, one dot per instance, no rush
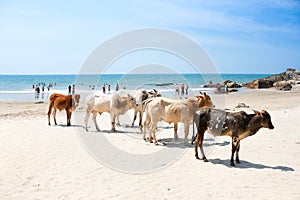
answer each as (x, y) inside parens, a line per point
(182, 89)
(71, 89)
(38, 90)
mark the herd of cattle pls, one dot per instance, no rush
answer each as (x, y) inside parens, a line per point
(199, 110)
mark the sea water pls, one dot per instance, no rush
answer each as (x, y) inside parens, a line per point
(20, 87)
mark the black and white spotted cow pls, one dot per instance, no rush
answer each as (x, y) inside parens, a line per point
(237, 125)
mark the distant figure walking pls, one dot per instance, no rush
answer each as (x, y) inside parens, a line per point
(108, 89)
(69, 88)
(226, 88)
(37, 93)
(73, 90)
(43, 90)
(187, 89)
(117, 87)
(103, 88)
(182, 89)
(177, 89)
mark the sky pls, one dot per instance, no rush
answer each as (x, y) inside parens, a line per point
(56, 37)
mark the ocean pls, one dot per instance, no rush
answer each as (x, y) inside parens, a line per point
(20, 87)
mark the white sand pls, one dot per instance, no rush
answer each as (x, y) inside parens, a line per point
(38, 161)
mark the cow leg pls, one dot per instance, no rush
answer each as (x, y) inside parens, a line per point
(113, 118)
(186, 132)
(196, 145)
(141, 118)
(237, 159)
(95, 120)
(68, 117)
(49, 113)
(54, 116)
(118, 121)
(199, 143)
(175, 130)
(153, 129)
(234, 147)
(134, 118)
(87, 116)
(146, 124)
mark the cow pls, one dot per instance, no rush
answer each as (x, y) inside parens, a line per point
(97, 104)
(172, 111)
(141, 96)
(237, 125)
(62, 102)
(119, 105)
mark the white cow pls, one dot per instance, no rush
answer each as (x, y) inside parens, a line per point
(172, 111)
(141, 96)
(116, 105)
(96, 104)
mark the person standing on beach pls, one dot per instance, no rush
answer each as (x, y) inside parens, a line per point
(103, 88)
(43, 90)
(182, 89)
(177, 89)
(69, 88)
(187, 89)
(117, 87)
(226, 88)
(37, 93)
(108, 89)
(73, 90)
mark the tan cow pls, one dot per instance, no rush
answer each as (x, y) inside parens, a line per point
(172, 111)
(119, 105)
(62, 102)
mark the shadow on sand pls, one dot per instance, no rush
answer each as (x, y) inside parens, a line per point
(248, 165)
(179, 143)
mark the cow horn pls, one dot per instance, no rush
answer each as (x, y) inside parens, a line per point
(257, 112)
(199, 96)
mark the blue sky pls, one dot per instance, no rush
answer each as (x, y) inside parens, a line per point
(39, 37)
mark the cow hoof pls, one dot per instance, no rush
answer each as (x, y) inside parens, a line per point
(205, 160)
(49, 124)
(237, 161)
(232, 164)
(197, 157)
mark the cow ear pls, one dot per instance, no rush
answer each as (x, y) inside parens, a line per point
(204, 93)
(264, 112)
(257, 112)
(155, 90)
(199, 97)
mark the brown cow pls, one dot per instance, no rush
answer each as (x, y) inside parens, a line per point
(237, 125)
(62, 102)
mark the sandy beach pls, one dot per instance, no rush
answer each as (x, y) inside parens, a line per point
(51, 162)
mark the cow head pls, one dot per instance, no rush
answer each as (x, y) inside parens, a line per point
(77, 99)
(204, 100)
(131, 101)
(154, 93)
(266, 120)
